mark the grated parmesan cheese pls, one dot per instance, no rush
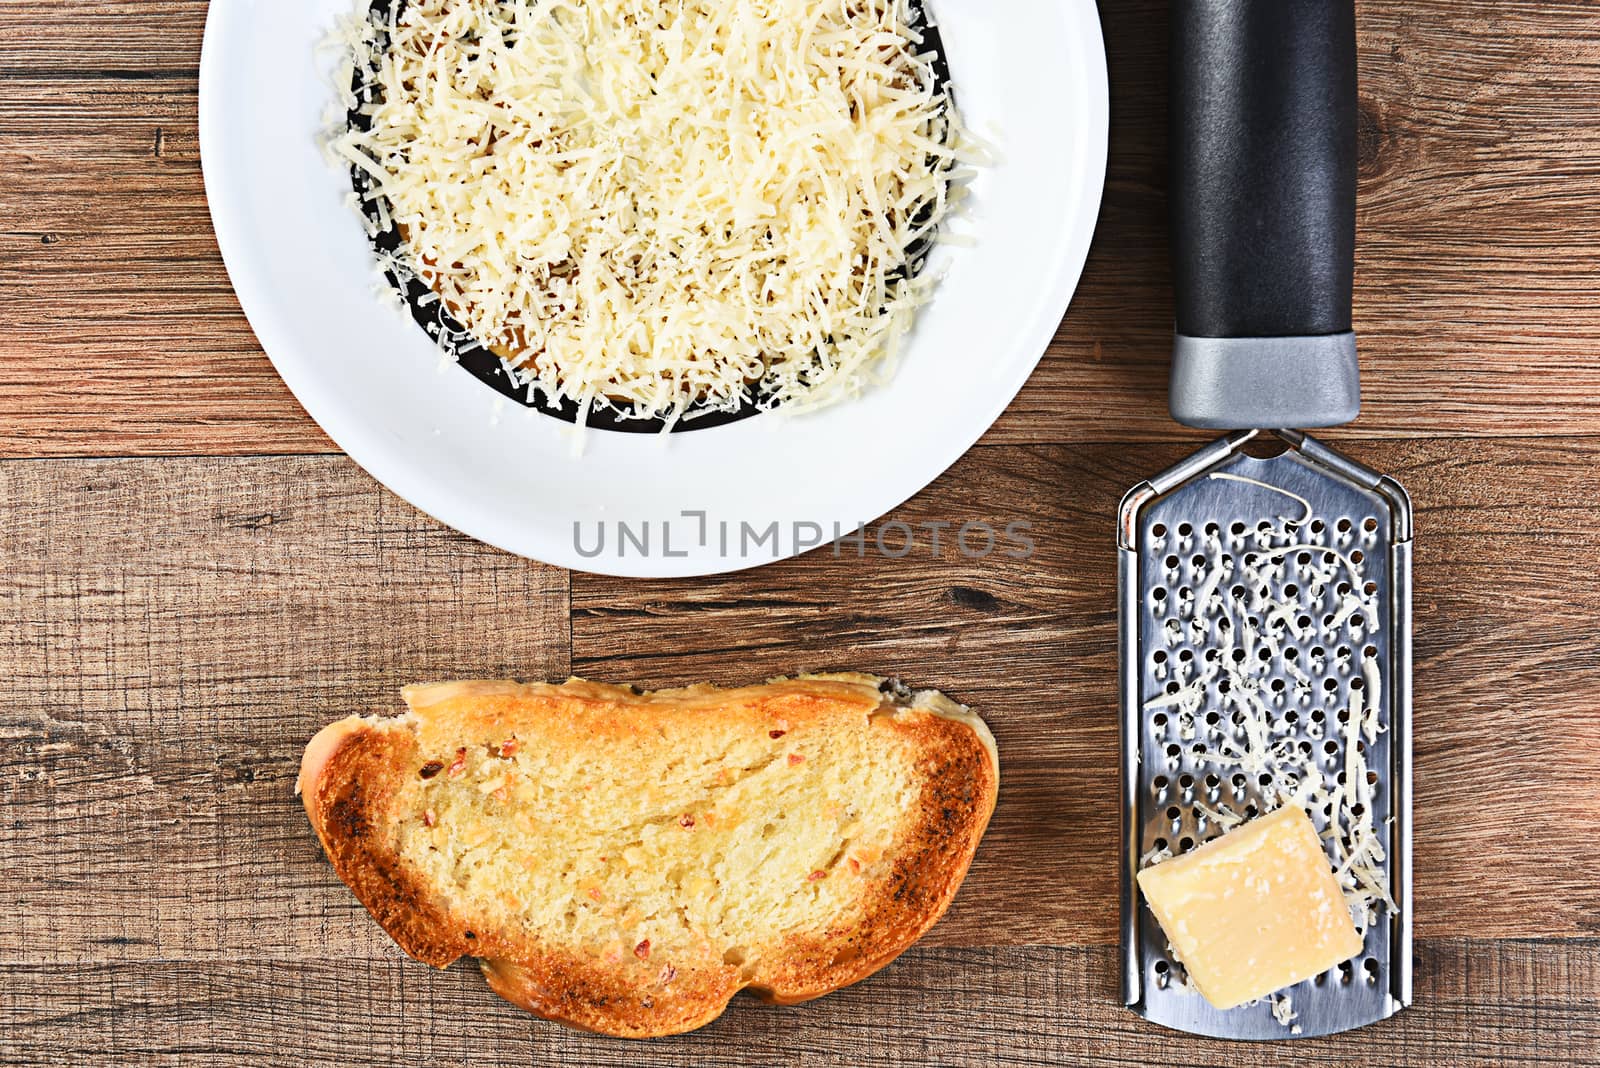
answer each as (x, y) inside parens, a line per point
(657, 207)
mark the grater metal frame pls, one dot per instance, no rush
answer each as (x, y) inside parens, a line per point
(1321, 1006)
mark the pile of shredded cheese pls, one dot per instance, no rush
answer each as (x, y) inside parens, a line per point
(659, 205)
(1245, 614)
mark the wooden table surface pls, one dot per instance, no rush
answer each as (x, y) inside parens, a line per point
(194, 580)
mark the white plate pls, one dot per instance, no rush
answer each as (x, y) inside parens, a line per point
(1029, 76)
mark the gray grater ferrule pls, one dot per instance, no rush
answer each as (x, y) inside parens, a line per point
(1191, 541)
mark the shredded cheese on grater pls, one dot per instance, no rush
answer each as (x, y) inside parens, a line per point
(1252, 623)
(657, 206)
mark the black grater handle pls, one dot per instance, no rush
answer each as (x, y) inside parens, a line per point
(1263, 115)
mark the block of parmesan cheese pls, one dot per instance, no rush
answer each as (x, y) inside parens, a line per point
(1254, 911)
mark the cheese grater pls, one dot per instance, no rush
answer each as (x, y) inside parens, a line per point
(1265, 582)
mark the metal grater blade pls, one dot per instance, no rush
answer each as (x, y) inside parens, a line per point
(1205, 542)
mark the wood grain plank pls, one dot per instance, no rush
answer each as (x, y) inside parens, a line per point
(1478, 1003)
(113, 37)
(173, 632)
(1508, 690)
(102, 199)
(1478, 267)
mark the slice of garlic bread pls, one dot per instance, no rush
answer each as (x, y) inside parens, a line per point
(626, 862)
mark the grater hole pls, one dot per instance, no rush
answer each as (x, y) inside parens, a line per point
(1212, 782)
(1159, 530)
(1212, 530)
(1264, 654)
(1302, 622)
(1358, 621)
(1330, 685)
(1159, 657)
(1162, 968)
(1318, 526)
(1304, 559)
(1186, 655)
(1174, 751)
(1172, 563)
(1185, 844)
(1238, 782)
(1370, 966)
(1250, 812)
(1173, 687)
(1346, 973)
(1213, 718)
(1264, 779)
(1356, 556)
(1370, 651)
(1159, 721)
(1159, 593)
(1174, 813)
(1197, 562)
(1277, 686)
(1291, 654)
(1224, 685)
(1291, 590)
(1369, 525)
(1159, 783)
(1331, 748)
(1370, 588)
(1342, 589)
(1317, 716)
(1320, 979)
(1292, 718)
(1372, 778)
(1184, 530)
(1343, 526)
(1186, 782)
(1238, 656)
(1237, 529)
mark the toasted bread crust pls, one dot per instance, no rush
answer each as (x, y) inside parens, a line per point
(353, 769)
(346, 782)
